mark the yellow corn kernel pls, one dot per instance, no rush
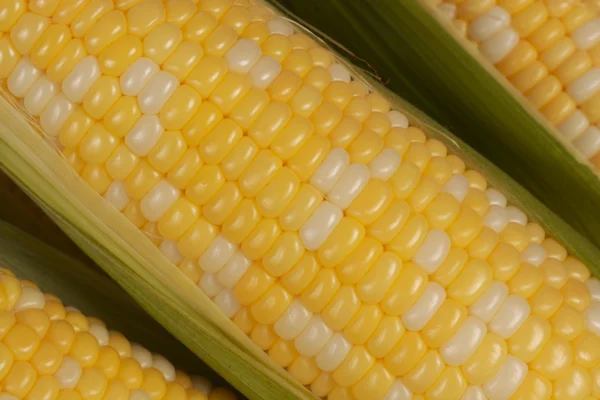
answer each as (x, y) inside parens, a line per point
(302, 274)
(554, 359)
(567, 322)
(102, 96)
(321, 290)
(534, 385)
(305, 370)
(466, 227)
(407, 242)
(531, 337)
(444, 323)
(222, 204)
(555, 273)
(277, 195)
(545, 301)
(586, 350)
(354, 367)
(241, 221)
(375, 383)
(359, 261)
(530, 76)
(272, 305)
(145, 16)
(344, 239)
(486, 360)
(342, 307)
(220, 40)
(239, 158)
(526, 281)
(363, 324)
(406, 290)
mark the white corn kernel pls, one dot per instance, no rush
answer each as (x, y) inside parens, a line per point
(228, 303)
(533, 254)
(158, 91)
(398, 391)
(142, 355)
(320, 225)
(293, 321)
(465, 342)
(385, 165)
(592, 318)
(349, 186)
(23, 77)
(137, 76)
(170, 250)
(39, 96)
(314, 337)
(117, 195)
(458, 187)
(516, 215)
(79, 81)
(334, 353)
(496, 47)
(100, 333)
(163, 365)
(489, 23)
(158, 200)
(330, 171)
(433, 250)
(264, 72)
(339, 72)
(234, 270)
(490, 302)
(30, 298)
(587, 35)
(55, 114)
(511, 315)
(279, 26)
(496, 198)
(584, 87)
(507, 380)
(574, 125)
(69, 373)
(593, 285)
(496, 218)
(397, 119)
(425, 308)
(144, 135)
(588, 142)
(243, 56)
(209, 283)
(218, 253)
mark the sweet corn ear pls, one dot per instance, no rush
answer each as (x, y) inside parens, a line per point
(49, 351)
(349, 246)
(549, 50)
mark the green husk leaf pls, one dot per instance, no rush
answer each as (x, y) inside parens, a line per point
(139, 267)
(418, 56)
(80, 286)
(20, 211)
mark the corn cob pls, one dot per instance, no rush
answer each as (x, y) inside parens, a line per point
(52, 352)
(358, 253)
(549, 50)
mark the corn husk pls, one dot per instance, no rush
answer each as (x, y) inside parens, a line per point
(160, 288)
(416, 53)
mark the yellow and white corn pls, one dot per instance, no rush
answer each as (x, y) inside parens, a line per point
(549, 50)
(52, 352)
(361, 256)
